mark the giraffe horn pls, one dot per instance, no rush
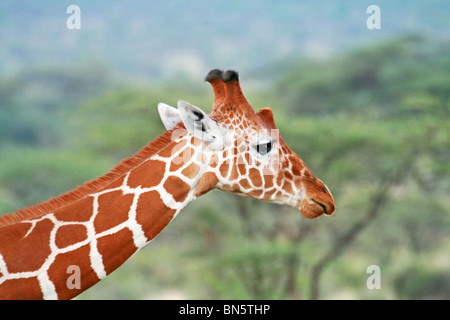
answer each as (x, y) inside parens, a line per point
(227, 92)
(214, 77)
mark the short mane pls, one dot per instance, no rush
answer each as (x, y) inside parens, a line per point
(92, 186)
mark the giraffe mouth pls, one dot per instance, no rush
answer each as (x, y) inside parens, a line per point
(312, 208)
(324, 208)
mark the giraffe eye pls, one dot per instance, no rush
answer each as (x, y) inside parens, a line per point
(264, 148)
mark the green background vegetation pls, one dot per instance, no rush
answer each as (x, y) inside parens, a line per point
(372, 122)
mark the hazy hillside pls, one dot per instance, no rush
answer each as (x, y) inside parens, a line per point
(165, 38)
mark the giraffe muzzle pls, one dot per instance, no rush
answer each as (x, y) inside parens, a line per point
(327, 207)
(313, 208)
(317, 199)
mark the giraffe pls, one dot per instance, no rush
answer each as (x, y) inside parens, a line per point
(98, 226)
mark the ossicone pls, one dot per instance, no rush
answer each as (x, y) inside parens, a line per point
(228, 95)
(217, 74)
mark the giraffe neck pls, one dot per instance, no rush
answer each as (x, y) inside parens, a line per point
(93, 236)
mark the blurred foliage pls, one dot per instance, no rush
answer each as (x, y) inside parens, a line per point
(36, 105)
(372, 123)
(384, 80)
(422, 283)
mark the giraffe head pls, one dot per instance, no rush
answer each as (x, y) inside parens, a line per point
(242, 151)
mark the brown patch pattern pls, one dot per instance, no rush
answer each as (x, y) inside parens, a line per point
(113, 208)
(147, 175)
(18, 241)
(68, 235)
(152, 214)
(113, 254)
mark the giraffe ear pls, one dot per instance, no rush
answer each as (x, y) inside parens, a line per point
(170, 116)
(198, 123)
